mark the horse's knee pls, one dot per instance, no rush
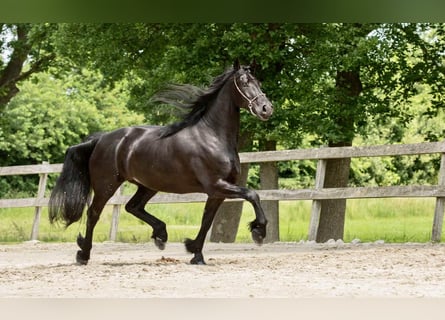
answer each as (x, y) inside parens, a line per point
(252, 196)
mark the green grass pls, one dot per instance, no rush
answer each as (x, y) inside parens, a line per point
(392, 220)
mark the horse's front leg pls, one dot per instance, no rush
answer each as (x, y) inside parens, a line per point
(257, 226)
(195, 246)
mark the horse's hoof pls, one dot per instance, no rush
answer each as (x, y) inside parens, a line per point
(160, 238)
(257, 237)
(159, 243)
(80, 260)
(198, 259)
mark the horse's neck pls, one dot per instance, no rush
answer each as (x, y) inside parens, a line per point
(223, 118)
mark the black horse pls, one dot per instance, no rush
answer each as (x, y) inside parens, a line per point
(197, 154)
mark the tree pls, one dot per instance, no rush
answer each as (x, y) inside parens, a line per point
(25, 49)
(360, 73)
(50, 114)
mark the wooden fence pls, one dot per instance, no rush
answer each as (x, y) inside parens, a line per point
(315, 194)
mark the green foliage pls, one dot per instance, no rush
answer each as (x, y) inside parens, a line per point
(50, 114)
(407, 169)
(299, 64)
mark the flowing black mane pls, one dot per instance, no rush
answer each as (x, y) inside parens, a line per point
(190, 97)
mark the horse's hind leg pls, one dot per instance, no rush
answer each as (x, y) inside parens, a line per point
(102, 193)
(195, 246)
(93, 214)
(136, 206)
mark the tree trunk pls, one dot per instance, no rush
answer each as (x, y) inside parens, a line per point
(13, 72)
(268, 181)
(332, 214)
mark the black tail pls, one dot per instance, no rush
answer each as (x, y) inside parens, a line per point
(72, 189)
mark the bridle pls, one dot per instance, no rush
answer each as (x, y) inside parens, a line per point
(247, 98)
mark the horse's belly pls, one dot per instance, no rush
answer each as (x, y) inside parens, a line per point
(166, 175)
(169, 183)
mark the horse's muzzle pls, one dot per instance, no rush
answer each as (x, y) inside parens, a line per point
(265, 112)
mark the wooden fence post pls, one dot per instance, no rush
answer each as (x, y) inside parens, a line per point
(115, 217)
(269, 181)
(316, 204)
(440, 205)
(38, 210)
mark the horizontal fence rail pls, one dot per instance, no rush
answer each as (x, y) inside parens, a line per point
(316, 194)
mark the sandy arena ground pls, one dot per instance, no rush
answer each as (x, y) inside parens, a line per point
(35, 269)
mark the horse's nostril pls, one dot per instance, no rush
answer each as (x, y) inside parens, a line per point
(264, 109)
(267, 109)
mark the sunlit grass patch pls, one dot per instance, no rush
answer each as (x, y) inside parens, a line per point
(391, 220)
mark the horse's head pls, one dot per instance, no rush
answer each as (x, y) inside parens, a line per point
(250, 95)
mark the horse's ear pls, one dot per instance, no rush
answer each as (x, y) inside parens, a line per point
(236, 64)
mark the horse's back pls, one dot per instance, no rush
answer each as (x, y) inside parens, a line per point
(113, 150)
